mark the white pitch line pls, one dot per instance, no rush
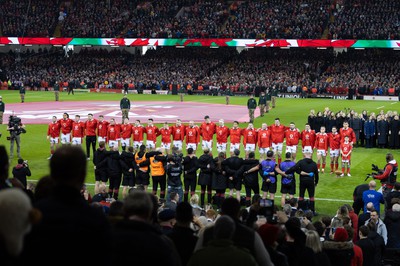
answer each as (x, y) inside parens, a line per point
(380, 107)
(394, 103)
(276, 196)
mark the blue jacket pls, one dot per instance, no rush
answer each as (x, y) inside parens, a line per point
(369, 128)
(373, 196)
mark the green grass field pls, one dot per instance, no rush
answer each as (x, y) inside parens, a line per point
(331, 191)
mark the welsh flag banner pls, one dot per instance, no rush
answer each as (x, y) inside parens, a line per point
(250, 43)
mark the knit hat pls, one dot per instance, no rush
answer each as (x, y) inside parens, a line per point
(269, 233)
(340, 235)
(166, 215)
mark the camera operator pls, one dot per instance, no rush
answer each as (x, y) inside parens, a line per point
(21, 171)
(389, 175)
(15, 127)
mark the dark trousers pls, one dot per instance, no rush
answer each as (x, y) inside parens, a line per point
(90, 140)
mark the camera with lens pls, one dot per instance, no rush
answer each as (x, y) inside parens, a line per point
(14, 123)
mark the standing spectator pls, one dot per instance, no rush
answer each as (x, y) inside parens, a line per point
(62, 208)
(394, 132)
(356, 124)
(358, 203)
(128, 170)
(114, 171)
(174, 172)
(371, 195)
(313, 241)
(376, 224)
(251, 106)
(367, 247)
(189, 174)
(125, 106)
(22, 91)
(288, 182)
(221, 249)
(250, 179)
(382, 130)
(232, 166)
(100, 166)
(339, 251)
(56, 88)
(242, 236)
(90, 128)
(395, 193)
(392, 222)
(378, 240)
(309, 178)
(369, 132)
(53, 135)
(71, 86)
(262, 102)
(274, 95)
(21, 171)
(135, 236)
(219, 180)
(206, 164)
(181, 234)
(2, 109)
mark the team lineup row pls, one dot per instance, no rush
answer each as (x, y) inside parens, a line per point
(265, 138)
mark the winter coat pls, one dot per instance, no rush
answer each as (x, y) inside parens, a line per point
(369, 129)
(392, 222)
(339, 253)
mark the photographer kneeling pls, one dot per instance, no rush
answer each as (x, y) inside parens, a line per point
(15, 127)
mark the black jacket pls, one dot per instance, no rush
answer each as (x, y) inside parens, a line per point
(392, 222)
(307, 165)
(205, 172)
(20, 172)
(190, 167)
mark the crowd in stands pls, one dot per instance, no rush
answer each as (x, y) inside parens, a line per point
(182, 232)
(366, 20)
(367, 72)
(332, 19)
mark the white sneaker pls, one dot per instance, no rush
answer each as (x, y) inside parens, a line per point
(348, 174)
(342, 175)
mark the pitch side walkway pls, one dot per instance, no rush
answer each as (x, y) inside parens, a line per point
(41, 112)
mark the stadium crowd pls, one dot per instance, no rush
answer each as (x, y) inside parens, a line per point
(288, 71)
(333, 19)
(186, 231)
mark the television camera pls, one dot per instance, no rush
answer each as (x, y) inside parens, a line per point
(14, 123)
(377, 172)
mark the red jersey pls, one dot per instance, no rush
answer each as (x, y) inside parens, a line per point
(321, 141)
(178, 132)
(345, 149)
(152, 132)
(66, 125)
(137, 133)
(54, 130)
(347, 132)
(249, 136)
(307, 138)
(192, 135)
(113, 132)
(126, 131)
(277, 133)
(235, 135)
(78, 129)
(166, 135)
(90, 127)
(102, 128)
(264, 138)
(334, 141)
(222, 134)
(292, 137)
(207, 131)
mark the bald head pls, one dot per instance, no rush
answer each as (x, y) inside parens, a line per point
(372, 184)
(370, 206)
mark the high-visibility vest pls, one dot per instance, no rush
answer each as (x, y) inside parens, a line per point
(157, 167)
(139, 160)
